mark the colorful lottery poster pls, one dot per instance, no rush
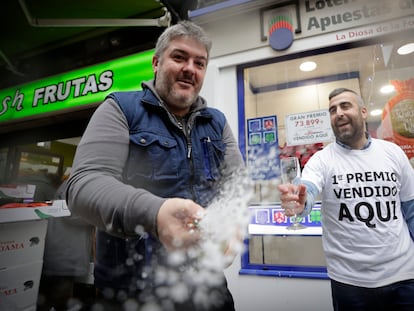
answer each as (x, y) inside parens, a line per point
(263, 148)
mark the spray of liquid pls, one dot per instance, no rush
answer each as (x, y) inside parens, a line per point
(223, 228)
(192, 274)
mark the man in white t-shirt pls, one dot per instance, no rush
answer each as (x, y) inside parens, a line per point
(367, 189)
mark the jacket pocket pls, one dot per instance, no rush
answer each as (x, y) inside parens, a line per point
(213, 156)
(152, 156)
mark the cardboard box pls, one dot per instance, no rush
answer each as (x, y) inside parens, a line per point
(21, 242)
(19, 286)
(23, 232)
(57, 208)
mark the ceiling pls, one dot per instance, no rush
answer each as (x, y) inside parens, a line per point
(43, 37)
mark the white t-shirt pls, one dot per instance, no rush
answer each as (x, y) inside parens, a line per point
(365, 237)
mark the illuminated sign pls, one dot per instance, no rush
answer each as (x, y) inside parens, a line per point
(76, 88)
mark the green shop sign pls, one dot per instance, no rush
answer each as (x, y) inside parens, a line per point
(76, 88)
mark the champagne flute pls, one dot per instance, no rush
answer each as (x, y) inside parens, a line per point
(290, 174)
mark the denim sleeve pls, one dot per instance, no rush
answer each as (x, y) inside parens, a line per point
(408, 212)
(312, 193)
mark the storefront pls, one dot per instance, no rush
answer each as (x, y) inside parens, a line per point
(45, 118)
(40, 126)
(253, 77)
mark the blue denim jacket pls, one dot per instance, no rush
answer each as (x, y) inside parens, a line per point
(168, 160)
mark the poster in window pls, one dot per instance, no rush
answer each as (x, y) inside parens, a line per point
(397, 123)
(263, 148)
(308, 128)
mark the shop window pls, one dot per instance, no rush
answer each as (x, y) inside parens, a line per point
(273, 251)
(43, 164)
(278, 89)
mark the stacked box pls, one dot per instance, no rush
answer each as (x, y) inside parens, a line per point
(19, 286)
(22, 243)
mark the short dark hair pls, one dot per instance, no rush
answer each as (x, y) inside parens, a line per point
(182, 29)
(340, 90)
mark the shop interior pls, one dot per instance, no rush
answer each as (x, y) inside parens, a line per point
(302, 83)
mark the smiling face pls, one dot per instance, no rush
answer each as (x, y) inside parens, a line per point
(179, 73)
(348, 119)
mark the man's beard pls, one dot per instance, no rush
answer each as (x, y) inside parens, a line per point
(181, 101)
(349, 136)
(173, 97)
